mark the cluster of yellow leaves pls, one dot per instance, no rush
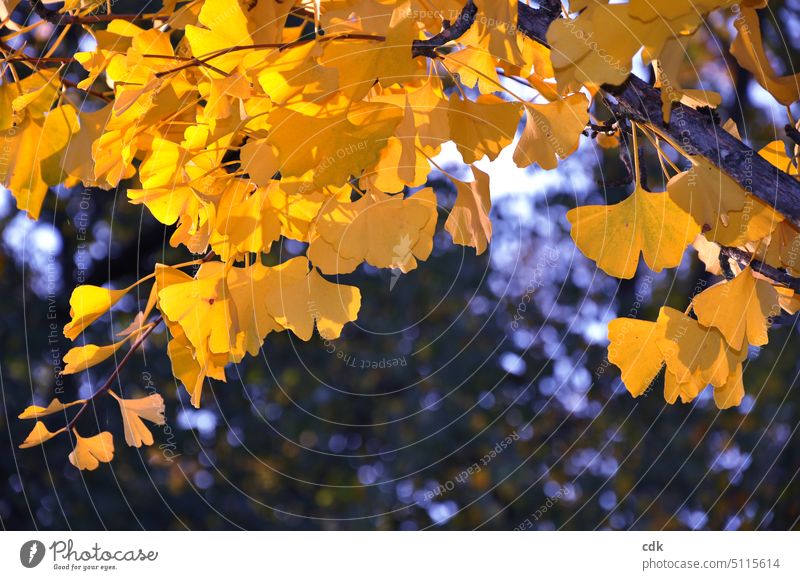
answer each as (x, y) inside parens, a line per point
(89, 452)
(238, 128)
(707, 209)
(235, 123)
(696, 352)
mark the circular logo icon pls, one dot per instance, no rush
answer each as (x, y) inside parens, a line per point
(31, 553)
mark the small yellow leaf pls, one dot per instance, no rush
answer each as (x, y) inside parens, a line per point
(133, 411)
(635, 351)
(483, 127)
(739, 308)
(469, 222)
(89, 452)
(80, 358)
(298, 298)
(35, 412)
(552, 131)
(732, 392)
(38, 435)
(87, 304)
(694, 352)
(748, 49)
(650, 223)
(706, 193)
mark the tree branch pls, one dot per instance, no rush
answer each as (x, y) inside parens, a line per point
(780, 276)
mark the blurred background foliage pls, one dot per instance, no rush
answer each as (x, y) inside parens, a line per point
(473, 392)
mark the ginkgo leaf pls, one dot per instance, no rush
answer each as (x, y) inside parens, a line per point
(482, 127)
(35, 412)
(633, 348)
(89, 452)
(706, 193)
(694, 352)
(133, 411)
(739, 308)
(298, 299)
(687, 391)
(469, 222)
(34, 157)
(650, 223)
(748, 49)
(202, 306)
(38, 435)
(386, 231)
(755, 221)
(552, 131)
(775, 153)
(732, 392)
(80, 358)
(87, 304)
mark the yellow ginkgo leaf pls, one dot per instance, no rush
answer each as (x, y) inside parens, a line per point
(739, 308)
(552, 131)
(89, 452)
(775, 153)
(748, 49)
(755, 221)
(133, 411)
(633, 348)
(706, 193)
(38, 435)
(686, 391)
(33, 163)
(87, 304)
(35, 412)
(732, 392)
(650, 223)
(469, 222)
(298, 298)
(80, 358)
(694, 352)
(386, 231)
(483, 127)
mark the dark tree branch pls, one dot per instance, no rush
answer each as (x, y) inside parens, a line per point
(780, 276)
(451, 32)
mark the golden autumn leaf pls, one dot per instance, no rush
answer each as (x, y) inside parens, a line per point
(90, 452)
(38, 435)
(299, 299)
(739, 308)
(133, 411)
(87, 304)
(706, 193)
(482, 127)
(552, 131)
(386, 231)
(80, 358)
(647, 223)
(748, 49)
(633, 348)
(695, 353)
(35, 411)
(469, 222)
